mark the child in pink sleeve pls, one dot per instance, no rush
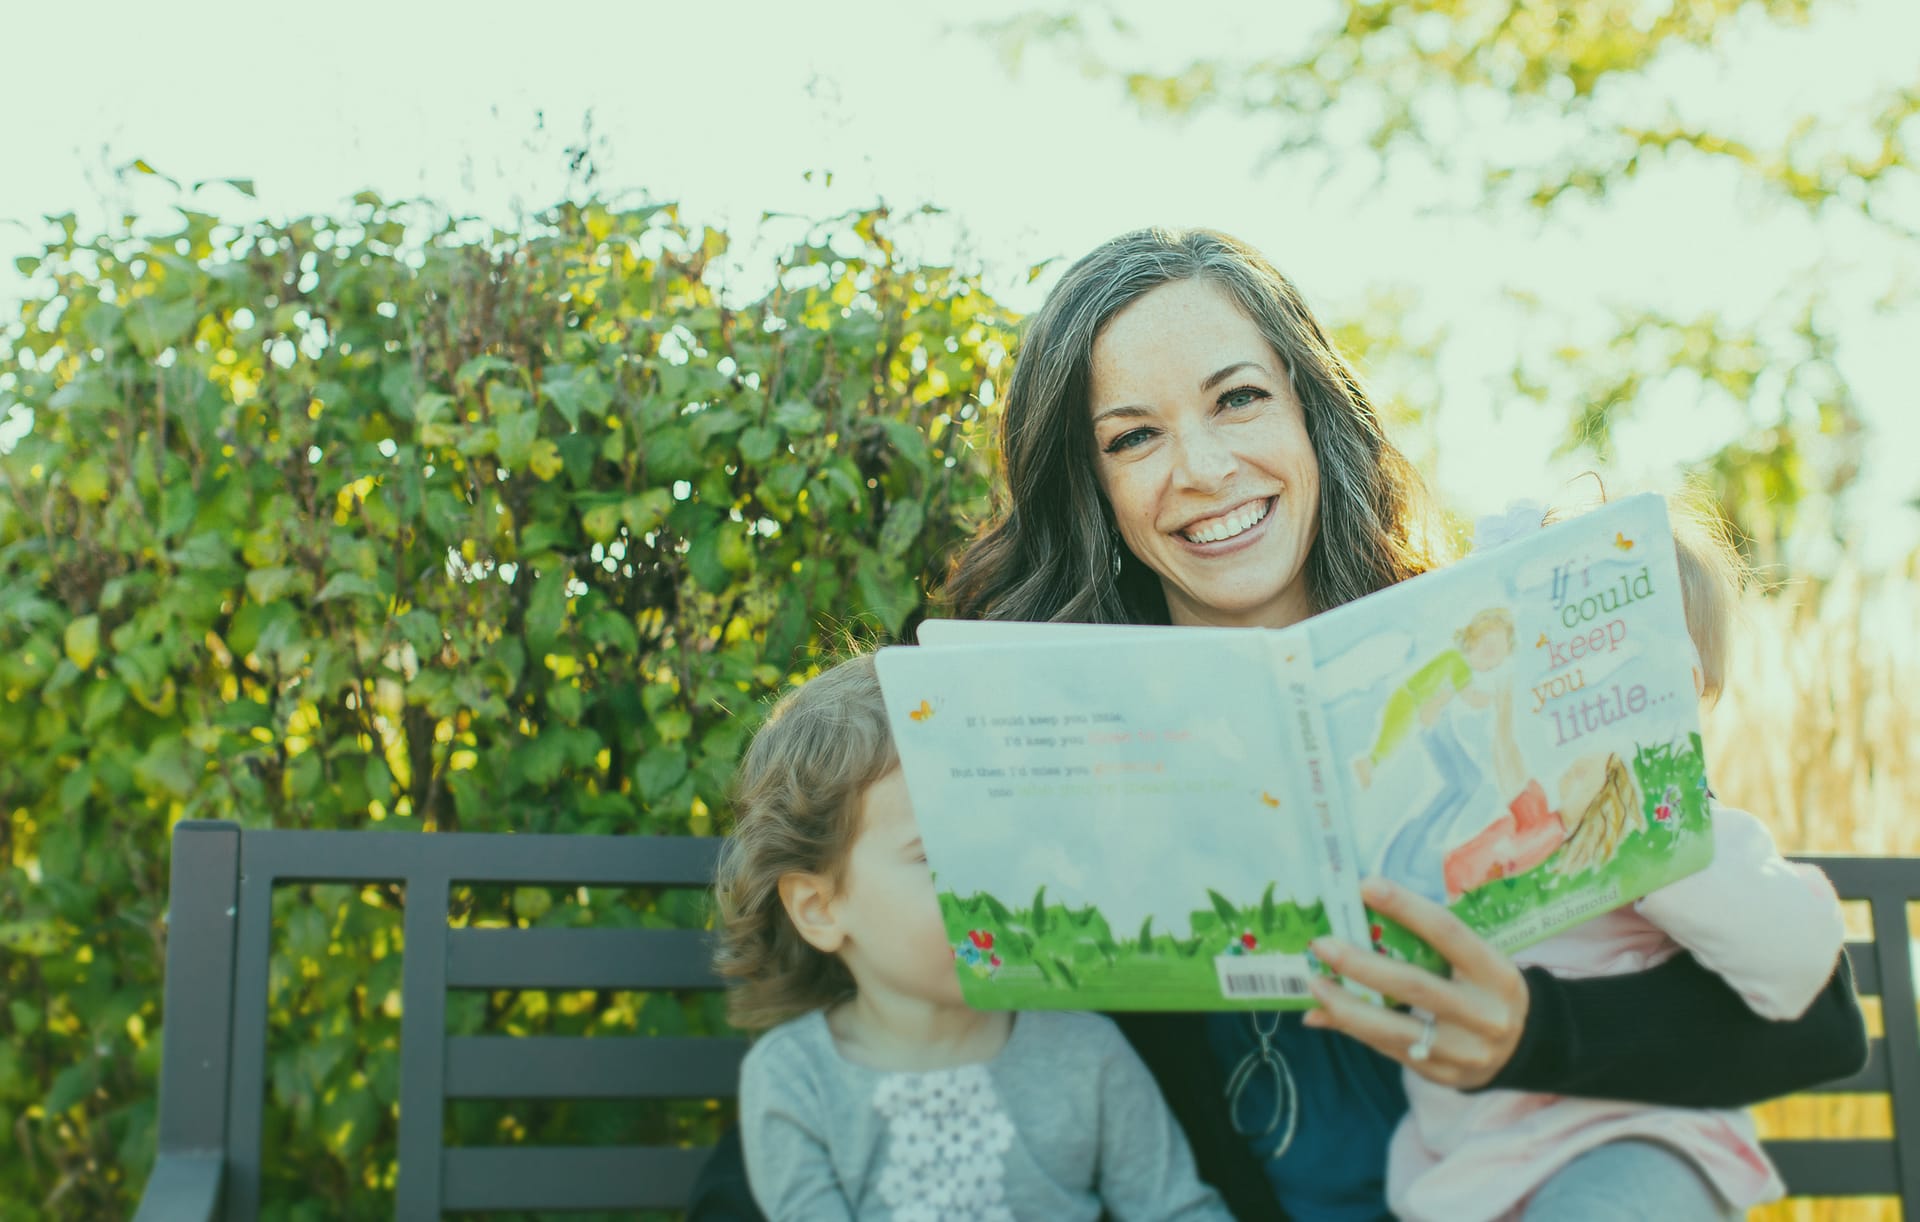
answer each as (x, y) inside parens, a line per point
(1771, 928)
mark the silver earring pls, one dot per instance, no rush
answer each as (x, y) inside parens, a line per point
(1117, 549)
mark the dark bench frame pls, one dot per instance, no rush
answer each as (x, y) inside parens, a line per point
(213, 1065)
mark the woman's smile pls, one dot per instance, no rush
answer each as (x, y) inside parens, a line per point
(1233, 526)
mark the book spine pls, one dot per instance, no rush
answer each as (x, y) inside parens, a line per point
(1339, 857)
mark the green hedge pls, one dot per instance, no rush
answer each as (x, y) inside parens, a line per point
(380, 522)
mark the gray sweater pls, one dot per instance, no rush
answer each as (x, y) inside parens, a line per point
(1063, 1123)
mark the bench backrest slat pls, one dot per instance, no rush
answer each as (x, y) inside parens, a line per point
(1834, 1168)
(602, 1067)
(516, 1177)
(580, 959)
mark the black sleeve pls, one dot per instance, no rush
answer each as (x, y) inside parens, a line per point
(720, 1192)
(1678, 1035)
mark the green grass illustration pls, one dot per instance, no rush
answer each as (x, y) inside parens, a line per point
(1664, 774)
(1052, 955)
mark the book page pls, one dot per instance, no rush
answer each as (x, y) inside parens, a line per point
(1518, 735)
(1110, 821)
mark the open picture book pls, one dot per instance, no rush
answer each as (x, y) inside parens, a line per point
(1150, 818)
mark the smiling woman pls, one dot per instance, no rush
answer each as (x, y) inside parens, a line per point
(1184, 445)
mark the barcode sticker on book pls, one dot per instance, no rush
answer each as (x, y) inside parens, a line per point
(1243, 976)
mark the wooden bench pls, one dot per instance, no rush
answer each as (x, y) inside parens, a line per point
(213, 1065)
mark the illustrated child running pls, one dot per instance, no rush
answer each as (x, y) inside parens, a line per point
(1414, 857)
(1770, 928)
(878, 1093)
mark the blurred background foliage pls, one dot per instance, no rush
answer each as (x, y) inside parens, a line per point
(1552, 105)
(372, 522)
(390, 520)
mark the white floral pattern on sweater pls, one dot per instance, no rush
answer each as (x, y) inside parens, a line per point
(947, 1138)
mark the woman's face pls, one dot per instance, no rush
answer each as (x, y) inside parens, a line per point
(1202, 451)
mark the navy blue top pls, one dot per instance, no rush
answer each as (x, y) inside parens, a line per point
(1335, 1168)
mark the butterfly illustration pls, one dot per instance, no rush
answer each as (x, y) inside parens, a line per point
(923, 713)
(1269, 799)
(1542, 642)
(1622, 542)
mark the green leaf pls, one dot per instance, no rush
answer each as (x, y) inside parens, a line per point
(26, 1019)
(154, 326)
(35, 938)
(477, 368)
(71, 1085)
(546, 611)
(575, 394)
(83, 641)
(379, 779)
(544, 460)
(77, 786)
(168, 767)
(907, 441)
(759, 443)
(269, 585)
(602, 523)
(705, 563)
(902, 527)
(645, 512)
(673, 725)
(799, 418)
(517, 433)
(716, 422)
(658, 771)
(532, 903)
(348, 1122)
(348, 585)
(431, 407)
(886, 593)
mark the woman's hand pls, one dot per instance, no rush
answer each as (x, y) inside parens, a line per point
(1478, 1015)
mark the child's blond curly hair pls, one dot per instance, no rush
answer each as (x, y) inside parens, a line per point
(797, 803)
(1712, 575)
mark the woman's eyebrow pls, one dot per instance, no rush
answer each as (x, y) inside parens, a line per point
(1208, 383)
(1129, 411)
(1218, 376)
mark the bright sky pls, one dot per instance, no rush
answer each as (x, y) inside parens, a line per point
(729, 107)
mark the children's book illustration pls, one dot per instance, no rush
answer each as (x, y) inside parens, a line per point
(1163, 818)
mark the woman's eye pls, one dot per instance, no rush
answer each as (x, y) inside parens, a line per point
(1246, 396)
(1128, 440)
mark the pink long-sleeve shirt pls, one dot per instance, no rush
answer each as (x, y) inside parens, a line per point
(1771, 928)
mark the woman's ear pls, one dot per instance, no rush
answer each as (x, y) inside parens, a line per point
(810, 903)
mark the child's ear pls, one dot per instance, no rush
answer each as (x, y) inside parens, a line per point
(809, 901)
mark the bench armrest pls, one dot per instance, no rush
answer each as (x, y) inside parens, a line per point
(184, 1187)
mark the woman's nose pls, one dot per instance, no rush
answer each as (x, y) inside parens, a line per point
(1205, 462)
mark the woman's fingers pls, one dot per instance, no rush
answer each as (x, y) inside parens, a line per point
(1448, 1001)
(1478, 1015)
(1473, 957)
(1453, 1058)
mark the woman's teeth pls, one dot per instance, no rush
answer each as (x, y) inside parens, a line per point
(1238, 522)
